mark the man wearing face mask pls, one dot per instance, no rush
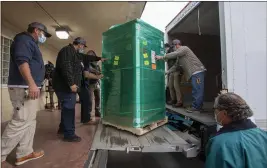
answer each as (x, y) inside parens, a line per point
(174, 80)
(26, 74)
(192, 68)
(66, 83)
(239, 143)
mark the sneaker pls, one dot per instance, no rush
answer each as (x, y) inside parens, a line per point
(32, 156)
(193, 110)
(75, 138)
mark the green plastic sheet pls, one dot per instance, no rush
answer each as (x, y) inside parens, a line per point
(133, 87)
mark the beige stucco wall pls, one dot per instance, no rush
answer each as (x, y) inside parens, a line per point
(49, 54)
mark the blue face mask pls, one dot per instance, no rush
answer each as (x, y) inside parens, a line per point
(42, 38)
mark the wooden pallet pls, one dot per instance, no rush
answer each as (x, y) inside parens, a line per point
(139, 131)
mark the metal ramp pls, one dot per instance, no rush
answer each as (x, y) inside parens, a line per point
(161, 139)
(206, 118)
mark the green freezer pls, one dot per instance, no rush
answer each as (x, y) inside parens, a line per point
(133, 87)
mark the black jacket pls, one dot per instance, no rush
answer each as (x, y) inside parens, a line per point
(69, 68)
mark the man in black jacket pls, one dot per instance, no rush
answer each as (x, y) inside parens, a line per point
(66, 83)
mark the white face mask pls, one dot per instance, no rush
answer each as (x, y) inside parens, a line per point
(166, 50)
(81, 50)
(216, 119)
(41, 38)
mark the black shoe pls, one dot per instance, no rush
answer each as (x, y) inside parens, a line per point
(60, 132)
(178, 105)
(171, 102)
(97, 114)
(90, 123)
(75, 138)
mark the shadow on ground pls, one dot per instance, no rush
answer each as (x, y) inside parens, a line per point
(151, 160)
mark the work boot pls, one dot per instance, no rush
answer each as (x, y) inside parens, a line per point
(32, 156)
(74, 138)
(193, 110)
(171, 102)
(178, 104)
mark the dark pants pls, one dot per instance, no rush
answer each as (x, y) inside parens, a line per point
(67, 123)
(197, 81)
(86, 104)
(97, 100)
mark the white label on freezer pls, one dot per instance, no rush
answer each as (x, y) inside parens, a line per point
(153, 54)
(161, 44)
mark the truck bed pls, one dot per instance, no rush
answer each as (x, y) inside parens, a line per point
(161, 139)
(206, 118)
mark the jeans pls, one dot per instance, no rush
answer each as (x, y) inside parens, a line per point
(67, 123)
(86, 104)
(197, 81)
(97, 100)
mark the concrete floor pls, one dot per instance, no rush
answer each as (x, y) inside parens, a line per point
(59, 154)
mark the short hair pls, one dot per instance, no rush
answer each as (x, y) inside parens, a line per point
(235, 106)
(176, 41)
(167, 45)
(86, 59)
(30, 29)
(91, 52)
(75, 43)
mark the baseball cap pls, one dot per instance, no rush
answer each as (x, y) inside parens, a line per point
(176, 41)
(80, 40)
(167, 45)
(41, 27)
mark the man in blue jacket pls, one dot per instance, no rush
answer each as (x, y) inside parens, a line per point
(26, 74)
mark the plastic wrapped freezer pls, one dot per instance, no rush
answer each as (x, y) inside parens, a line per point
(133, 87)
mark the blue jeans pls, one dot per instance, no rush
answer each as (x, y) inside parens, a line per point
(197, 82)
(86, 104)
(67, 123)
